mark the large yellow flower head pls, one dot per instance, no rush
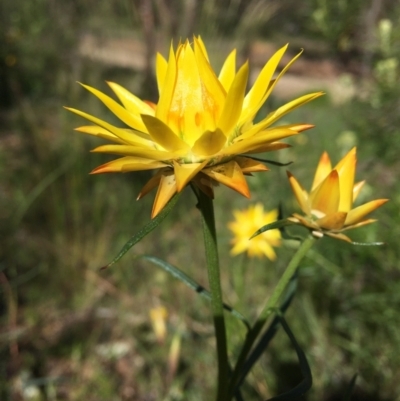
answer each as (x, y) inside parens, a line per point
(201, 129)
(329, 205)
(246, 223)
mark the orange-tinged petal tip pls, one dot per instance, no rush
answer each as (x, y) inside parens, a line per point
(302, 127)
(357, 214)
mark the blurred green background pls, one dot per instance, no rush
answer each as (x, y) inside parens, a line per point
(71, 332)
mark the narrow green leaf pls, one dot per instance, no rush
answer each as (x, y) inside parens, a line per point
(272, 226)
(306, 383)
(149, 227)
(269, 333)
(275, 163)
(184, 278)
(368, 243)
(350, 388)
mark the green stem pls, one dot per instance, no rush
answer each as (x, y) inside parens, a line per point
(210, 242)
(268, 309)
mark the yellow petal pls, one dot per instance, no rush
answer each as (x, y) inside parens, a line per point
(126, 150)
(125, 164)
(166, 190)
(357, 189)
(136, 138)
(228, 71)
(100, 132)
(298, 127)
(198, 41)
(326, 197)
(163, 135)
(280, 75)
(269, 147)
(248, 145)
(185, 172)
(254, 99)
(267, 250)
(357, 214)
(131, 119)
(161, 71)
(152, 183)
(298, 219)
(360, 224)
(119, 132)
(334, 221)
(213, 93)
(300, 194)
(339, 236)
(210, 143)
(131, 102)
(323, 169)
(229, 174)
(164, 103)
(233, 102)
(249, 165)
(281, 111)
(346, 169)
(186, 108)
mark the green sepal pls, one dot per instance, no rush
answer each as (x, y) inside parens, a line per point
(275, 225)
(184, 278)
(149, 227)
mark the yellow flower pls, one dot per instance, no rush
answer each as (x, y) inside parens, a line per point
(201, 129)
(246, 223)
(329, 205)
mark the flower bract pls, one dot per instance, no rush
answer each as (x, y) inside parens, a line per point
(201, 130)
(246, 223)
(328, 207)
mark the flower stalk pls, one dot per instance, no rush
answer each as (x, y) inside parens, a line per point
(205, 204)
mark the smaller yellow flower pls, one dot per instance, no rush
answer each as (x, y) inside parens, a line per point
(329, 205)
(246, 223)
(158, 318)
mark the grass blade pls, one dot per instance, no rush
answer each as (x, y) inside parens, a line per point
(276, 224)
(269, 333)
(350, 388)
(149, 227)
(306, 383)
(184, 278)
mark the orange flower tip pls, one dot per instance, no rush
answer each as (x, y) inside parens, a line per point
(380, 202)
(100, 169)
(302, 127)
(151, 104)
(325, 159)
